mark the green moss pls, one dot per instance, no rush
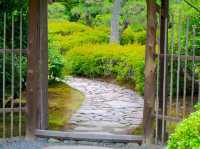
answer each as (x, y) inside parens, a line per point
(63, 102)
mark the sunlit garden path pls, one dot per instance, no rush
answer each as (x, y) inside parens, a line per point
(108, 108)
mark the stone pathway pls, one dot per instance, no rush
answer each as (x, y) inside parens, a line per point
(108, 108)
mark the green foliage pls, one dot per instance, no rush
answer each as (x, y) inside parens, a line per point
(66, 35)
(187, 133)
(130, 37)
(134, 11)
(57, 11)
(78, 39)
(197, 107)
(56, 65)
(125, 63)
(65, 27)
(102, 20)
(13, 8)
(8, 74)
(99, 12)
(86, 57)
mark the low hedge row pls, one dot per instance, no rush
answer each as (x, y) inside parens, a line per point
(125, 63)
(64, 35)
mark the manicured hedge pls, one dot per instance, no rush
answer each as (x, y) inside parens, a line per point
(125, 63)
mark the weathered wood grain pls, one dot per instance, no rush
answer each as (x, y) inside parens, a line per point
(150, 71)
(37, 77)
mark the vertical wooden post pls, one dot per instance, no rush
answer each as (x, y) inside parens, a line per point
(37, 80)
(150, 71)
(163, 31)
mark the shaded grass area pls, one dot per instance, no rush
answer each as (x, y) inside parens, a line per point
(63, 102)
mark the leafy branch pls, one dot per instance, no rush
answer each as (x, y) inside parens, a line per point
(191, 5)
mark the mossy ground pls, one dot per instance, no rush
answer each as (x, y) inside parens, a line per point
(63, 102)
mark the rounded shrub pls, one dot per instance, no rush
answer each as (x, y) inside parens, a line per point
(187, 133)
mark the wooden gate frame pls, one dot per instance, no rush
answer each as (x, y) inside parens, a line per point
(150, 65)
(37, 77)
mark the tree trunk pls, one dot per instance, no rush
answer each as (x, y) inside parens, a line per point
(114, 37)
(150, 71)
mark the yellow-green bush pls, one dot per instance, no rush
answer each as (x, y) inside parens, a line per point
(66, 35)
(125, 63)
(129, 36)
(88, 53)
(65, 27)
(91, 36)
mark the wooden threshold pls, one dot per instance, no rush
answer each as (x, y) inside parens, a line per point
(88, 136)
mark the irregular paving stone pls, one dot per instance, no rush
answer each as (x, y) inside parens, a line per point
(88, 143)
(132, 146)
(107, 107)
(52, 140)
(70, 142)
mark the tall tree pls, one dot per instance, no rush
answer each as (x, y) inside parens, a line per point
(114, 37)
